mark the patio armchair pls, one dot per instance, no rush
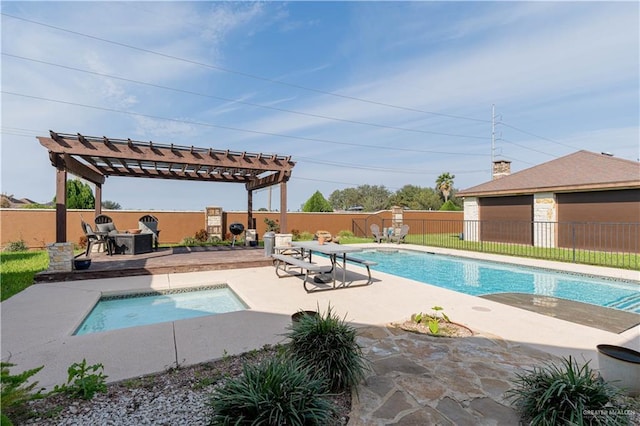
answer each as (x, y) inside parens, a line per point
(148, 224)
(399, 237)
(105, 225)
(93, 239)
(377, 234)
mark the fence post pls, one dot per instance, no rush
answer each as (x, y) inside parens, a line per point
(573, 240)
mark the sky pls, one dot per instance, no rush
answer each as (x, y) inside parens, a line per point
(357, 93)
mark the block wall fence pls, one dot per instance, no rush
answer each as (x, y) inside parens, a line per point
(37, 227)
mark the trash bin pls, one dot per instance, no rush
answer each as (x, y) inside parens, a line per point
(251, 238)
(269, 242)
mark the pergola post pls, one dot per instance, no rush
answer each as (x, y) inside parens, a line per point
(98, 199)
(283, 208)
(61, 205)
(250, 209)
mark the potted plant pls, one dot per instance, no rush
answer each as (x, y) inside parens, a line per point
(621, 367)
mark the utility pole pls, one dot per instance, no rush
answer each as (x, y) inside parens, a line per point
(493, 136)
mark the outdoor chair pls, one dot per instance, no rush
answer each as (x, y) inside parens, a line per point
(377, 234)
(399, 237)
(105, 225)
(148, 224)
(93, 239)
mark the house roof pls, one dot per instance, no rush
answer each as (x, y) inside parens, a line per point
(577, 172)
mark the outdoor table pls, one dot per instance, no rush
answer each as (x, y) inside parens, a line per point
(132, 243)
(333, 250)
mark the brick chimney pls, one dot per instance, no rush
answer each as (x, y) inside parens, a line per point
(501, 168)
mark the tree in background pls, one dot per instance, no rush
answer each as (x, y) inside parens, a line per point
(79, 195)
(450, 206)
(416, 198)
(342, 200)
(111, 205)
(444, 185)
(370, 197)
(317, 203)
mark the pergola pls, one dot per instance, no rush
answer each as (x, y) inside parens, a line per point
(96, 158)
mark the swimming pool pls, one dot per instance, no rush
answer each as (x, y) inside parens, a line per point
(116, 312)
(479, 278)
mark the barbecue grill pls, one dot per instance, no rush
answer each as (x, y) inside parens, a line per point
(236, 229)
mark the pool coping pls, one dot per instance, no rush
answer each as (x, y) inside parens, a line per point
(37, 323)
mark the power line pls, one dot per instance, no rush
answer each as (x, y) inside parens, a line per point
(189, 92)
(536, 136)
(248, 75)
(219, 126)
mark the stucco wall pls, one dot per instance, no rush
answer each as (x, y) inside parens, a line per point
(37, 226)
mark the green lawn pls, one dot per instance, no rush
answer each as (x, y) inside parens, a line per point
(17, 270)
(587, 257)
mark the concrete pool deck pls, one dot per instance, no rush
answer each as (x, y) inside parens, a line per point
(37, 324)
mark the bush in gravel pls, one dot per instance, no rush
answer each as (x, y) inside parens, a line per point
(566, 394)
(84, 381)
(278, 391)
(327, 344)
(15, 391)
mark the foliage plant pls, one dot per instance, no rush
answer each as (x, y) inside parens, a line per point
(431, 320)
(84, 381)
(272, 225)
(202, 235)
(14, 246)
(566, 393)
(278, 391)
(327, 344)
(15, 391)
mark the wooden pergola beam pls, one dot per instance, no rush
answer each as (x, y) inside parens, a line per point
(95, 158)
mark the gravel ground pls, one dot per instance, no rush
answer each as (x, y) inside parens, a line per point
(175, 397)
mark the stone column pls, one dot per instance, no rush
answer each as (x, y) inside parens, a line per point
(471, 219)
(545, 217)
(60, 257)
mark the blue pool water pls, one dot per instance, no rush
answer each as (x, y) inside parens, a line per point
(479, 278)
(123, 312)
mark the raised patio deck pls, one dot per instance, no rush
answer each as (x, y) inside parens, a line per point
(164, 261)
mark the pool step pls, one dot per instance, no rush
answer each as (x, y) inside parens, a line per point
(628, 303)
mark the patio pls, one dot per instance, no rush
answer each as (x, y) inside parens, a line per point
(169, 260)
(37, 327)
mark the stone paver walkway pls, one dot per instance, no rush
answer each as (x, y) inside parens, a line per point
(423, 380)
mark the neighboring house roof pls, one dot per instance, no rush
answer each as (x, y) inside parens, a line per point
(15, 202)
(577, 172)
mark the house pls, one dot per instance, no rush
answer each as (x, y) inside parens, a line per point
(548, 200)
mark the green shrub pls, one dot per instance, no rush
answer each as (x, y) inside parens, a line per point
(202, 235)
(278, 391)
(272, 225)
(84, 381)
(15, 392)
(327, 344)
(305, 236)
(566, 394)
(345, 234)
(14, 246)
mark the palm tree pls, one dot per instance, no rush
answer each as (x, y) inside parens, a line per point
(444, 184)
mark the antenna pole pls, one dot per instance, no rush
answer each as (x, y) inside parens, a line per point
(493, 135)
